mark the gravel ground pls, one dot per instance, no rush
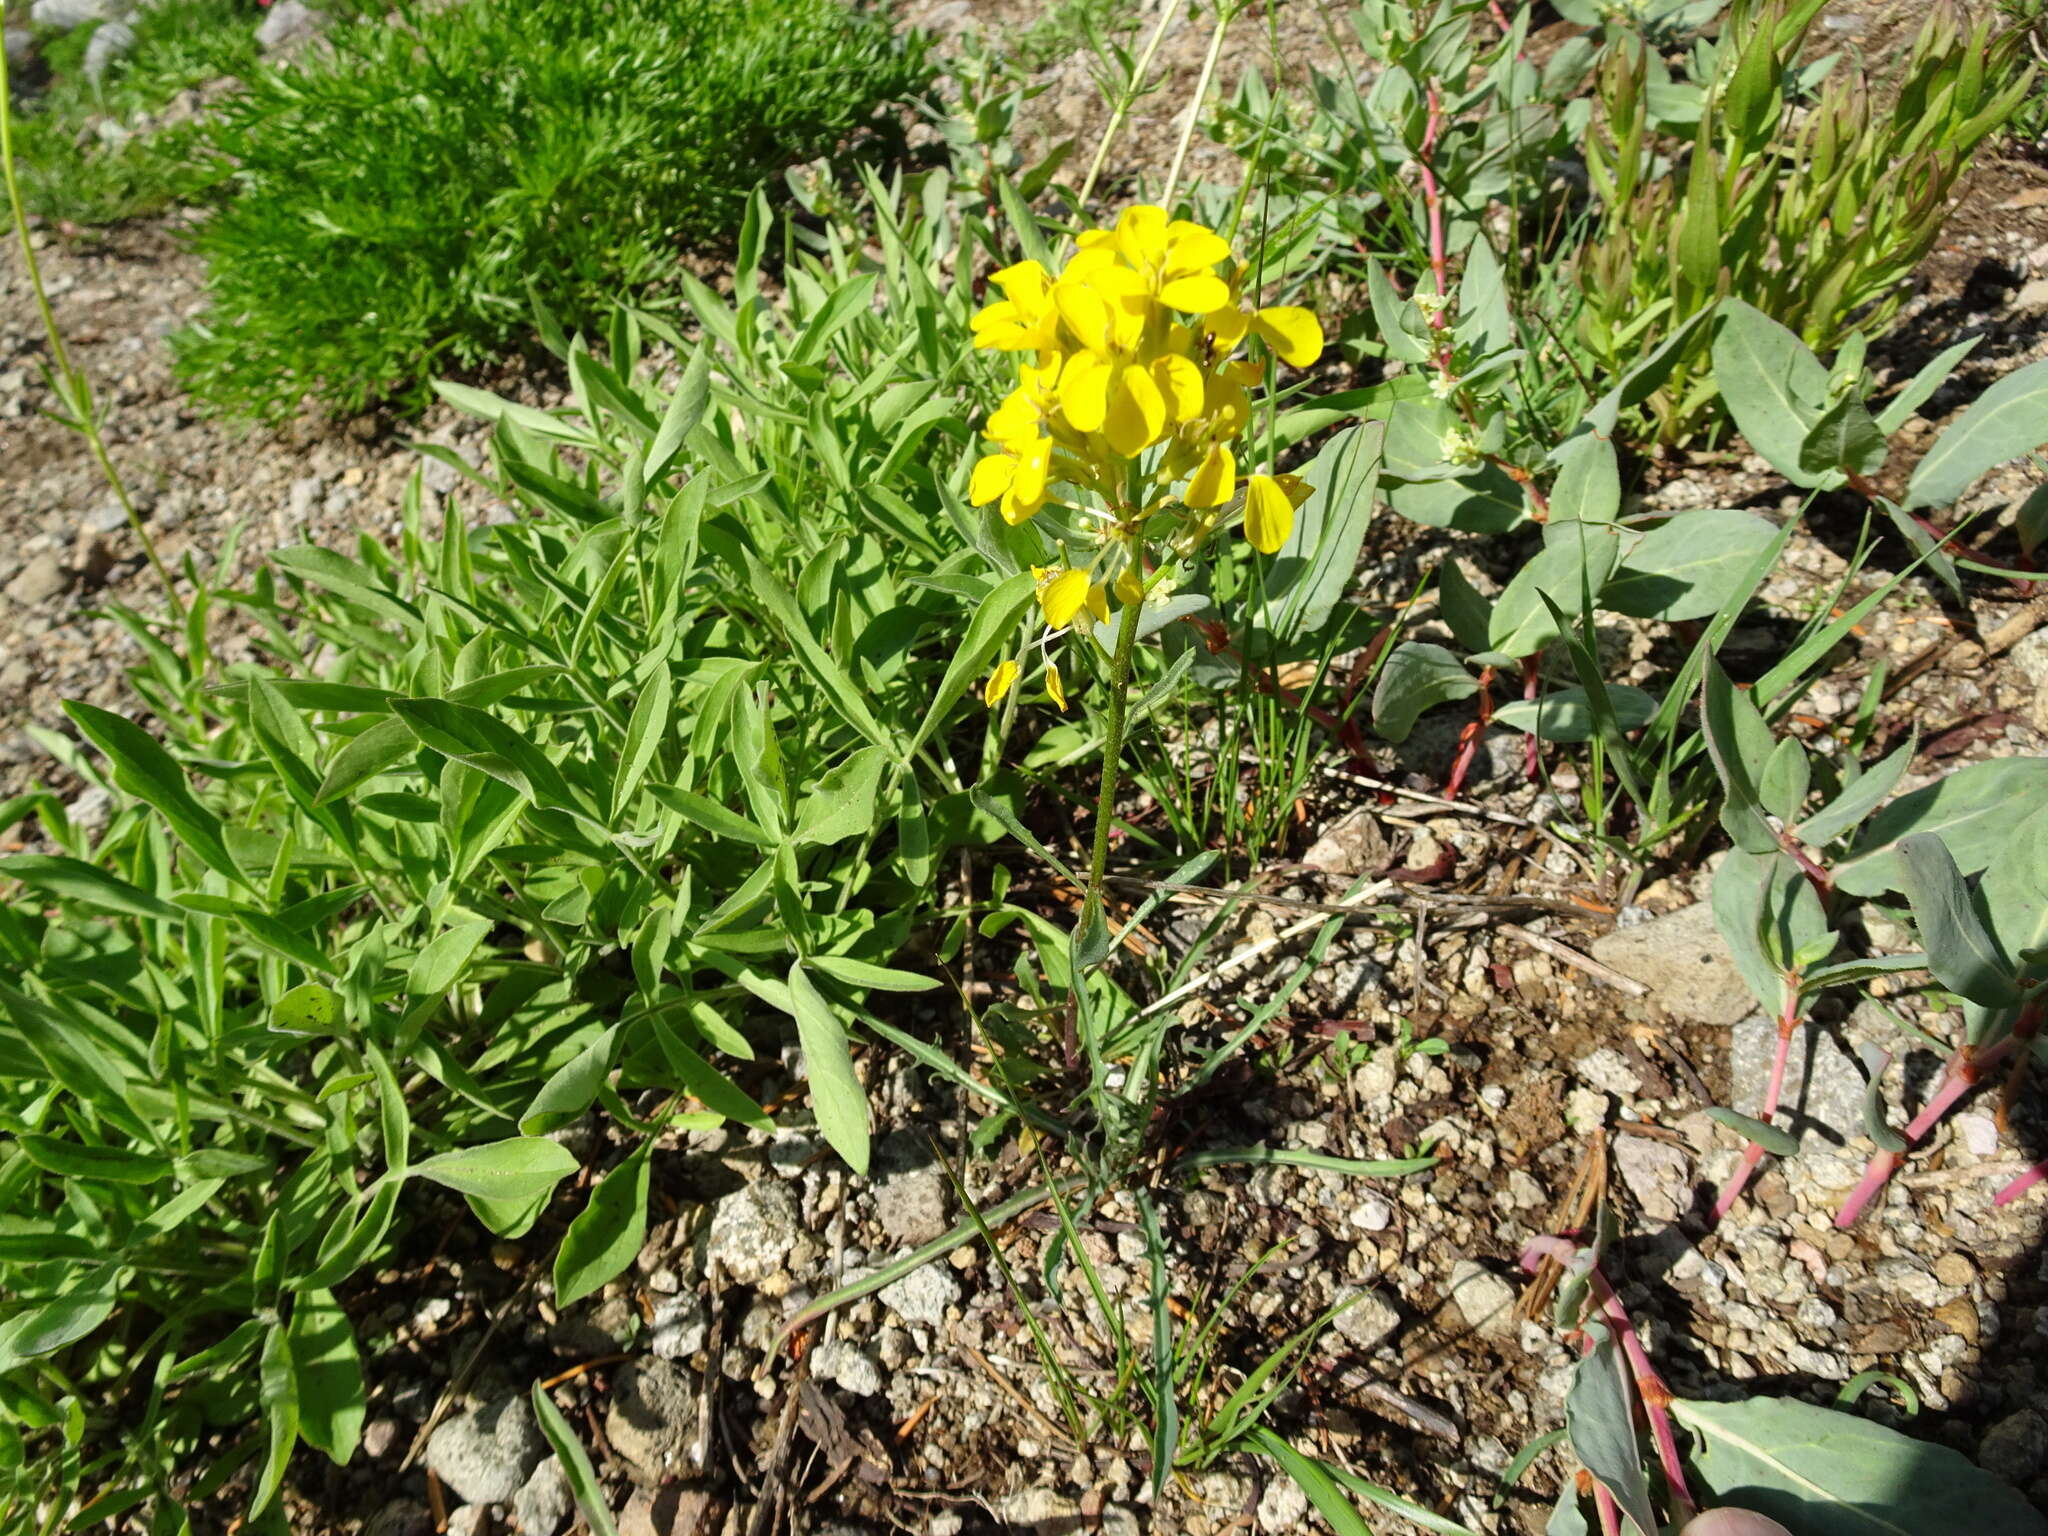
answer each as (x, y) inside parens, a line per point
(925, 1409)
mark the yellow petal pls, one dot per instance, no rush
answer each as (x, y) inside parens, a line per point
(1268, 514)
(1180, 382)
(998, 683)
(992, 477)
(1086, 313)
(1215, 482)
(1130, 585)
(1098, 601)
(1061, 598)
(1136, 415)
(1034, 465)
(1015, 421)
(1192, 247)
(1197, 294)
(1141, 234)
(1023, 282)
(1053, 686)
(1294, 334)
(1084, 391)
(1226, 326)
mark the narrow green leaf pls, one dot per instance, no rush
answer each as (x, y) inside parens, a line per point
(644, 733)
(607, 1232)
(2008, 419)
(1962, 955)
(571, 1087)
(149, 773)
(327, 1376)
(582, 1478)
(440, 965)
(836, 1095)
(516, 1169)
(277, 1391)
(75, 880)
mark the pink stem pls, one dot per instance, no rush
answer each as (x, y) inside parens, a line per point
(1965, 1067)
(1432, 197)
(1753, 1154)
(2022, 1184)
(1529, 669)
(1651, 1391)
(1876, 1174)
(1610, 1512)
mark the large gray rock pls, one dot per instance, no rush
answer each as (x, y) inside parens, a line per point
(289, 21)
(1683, 960)
(1368, 1320)
(1823, 1083)
(2016, 1447)
(652, 1417)
(752, 1231)
(1657, 1174)
(2030, 656)
(43, 578)
(544, 1502)
(1484, 1300)
(64, 15)
(923, 1295)
(911, 1205)
(487, 1453)
(110, 41)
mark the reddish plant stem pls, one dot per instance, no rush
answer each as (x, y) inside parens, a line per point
(1965, 1067)
(1822, 882)
(1651, 1390)
(2024, 1029)
(2021, 1185)
(1753, 1153)
(1433, 200)
(1468, 738)
(1530, 663)
(1610, 1512)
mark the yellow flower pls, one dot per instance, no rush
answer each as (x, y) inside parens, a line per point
(998, 684)
(1294, 334)
(1023, 320)
(1054, 688)
(1177, 258)
(1215, 482)
(1269, 503)
(1061, 594)
(1015, 475)
(1027, 409)
(1130, 585)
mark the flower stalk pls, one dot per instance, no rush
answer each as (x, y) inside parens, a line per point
(70, 382)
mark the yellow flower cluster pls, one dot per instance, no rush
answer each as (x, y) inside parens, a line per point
(1133, 386)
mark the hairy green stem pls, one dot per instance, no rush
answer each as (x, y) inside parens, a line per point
(1121, 109)
(72, 387)
(1112, 755)
(1225, 15)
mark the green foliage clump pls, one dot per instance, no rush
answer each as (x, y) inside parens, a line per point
(391, 202)
(71, 167)
(1798, 194)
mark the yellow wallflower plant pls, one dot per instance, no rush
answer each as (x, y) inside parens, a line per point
(1136, 363)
